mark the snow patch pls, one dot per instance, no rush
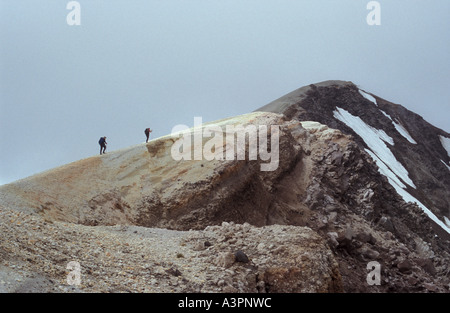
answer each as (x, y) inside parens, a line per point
(400, 128)
(385, 114)
(445, 143)
(447, 221)
(368, 132)
(314, 127)
(368, 97)
(386, 161)
(398, 186)
(409, 198)
(376, 140)
(386, 171)
(446, 165)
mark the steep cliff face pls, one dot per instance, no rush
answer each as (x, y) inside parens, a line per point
(347, 171)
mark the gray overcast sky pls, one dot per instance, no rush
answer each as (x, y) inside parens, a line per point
(133, 64)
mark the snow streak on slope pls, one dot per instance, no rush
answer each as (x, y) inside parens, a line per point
(447, 221)
(402, 130)
(446, 165)
(386, 171)
(376, 140)
(368, 97)
(388, 165)
(393, 180)
(446, 144)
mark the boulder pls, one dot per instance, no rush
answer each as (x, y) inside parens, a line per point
(405, 266)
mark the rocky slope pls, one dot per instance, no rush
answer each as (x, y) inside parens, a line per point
(138, 220)
(35, 256)
(418, 152)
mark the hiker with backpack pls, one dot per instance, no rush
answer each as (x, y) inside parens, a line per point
(102, 142)
(147, 133)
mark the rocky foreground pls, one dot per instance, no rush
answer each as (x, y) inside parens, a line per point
(228, 258)
(35, 255)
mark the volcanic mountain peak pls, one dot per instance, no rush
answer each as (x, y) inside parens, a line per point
(409, 151)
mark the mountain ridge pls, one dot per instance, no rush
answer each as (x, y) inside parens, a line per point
(350, 168)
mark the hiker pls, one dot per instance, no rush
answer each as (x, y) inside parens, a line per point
(147, 133)
(102, 142)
